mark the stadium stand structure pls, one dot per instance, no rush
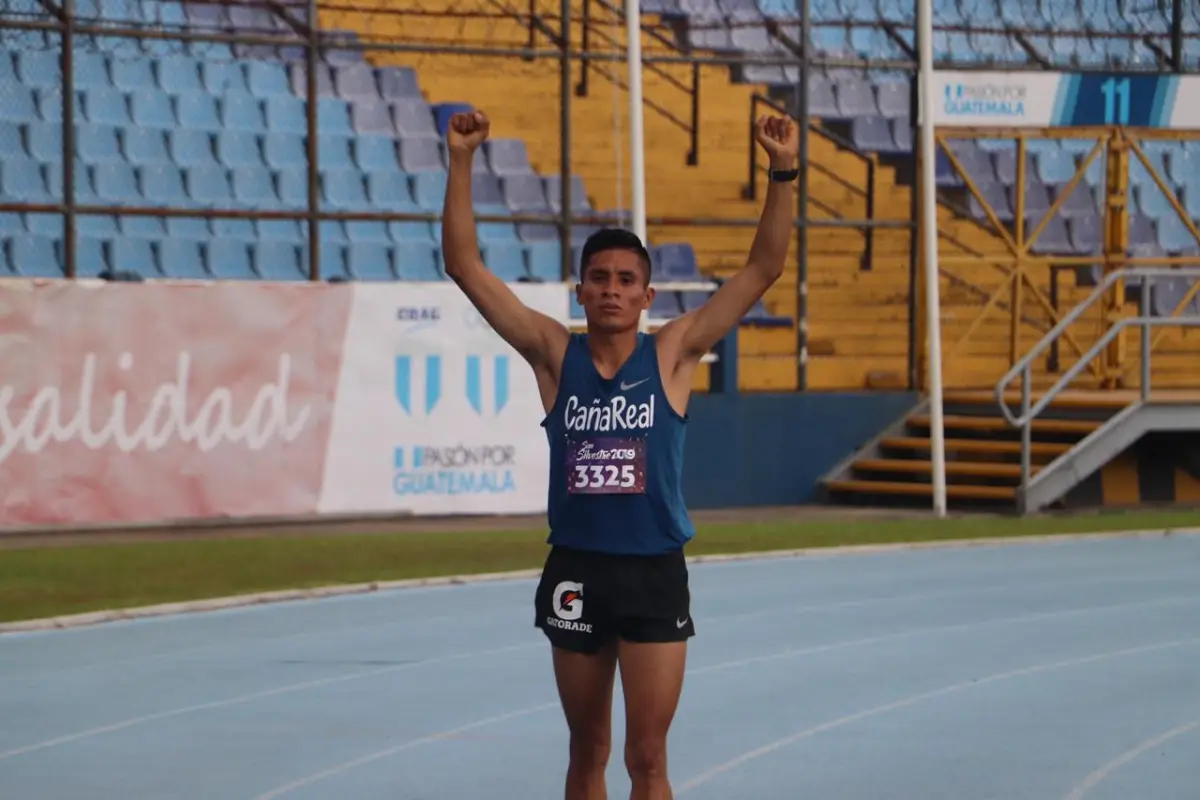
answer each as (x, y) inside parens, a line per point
(209, 125)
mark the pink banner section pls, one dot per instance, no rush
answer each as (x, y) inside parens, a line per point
(153, 402)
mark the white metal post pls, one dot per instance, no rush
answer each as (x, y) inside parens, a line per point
(637, 153)
(637, 138)
(928, 226)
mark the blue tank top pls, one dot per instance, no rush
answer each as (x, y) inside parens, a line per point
(616, 457)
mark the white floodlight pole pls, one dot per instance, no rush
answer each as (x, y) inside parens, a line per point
(928, 226)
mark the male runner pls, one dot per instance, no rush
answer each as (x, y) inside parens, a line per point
(614, 589)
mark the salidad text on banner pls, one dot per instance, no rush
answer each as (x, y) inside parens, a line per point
(145, 403)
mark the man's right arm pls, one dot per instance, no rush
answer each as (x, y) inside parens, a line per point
(539, 338)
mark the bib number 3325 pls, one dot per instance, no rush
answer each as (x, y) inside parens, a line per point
(606, 466)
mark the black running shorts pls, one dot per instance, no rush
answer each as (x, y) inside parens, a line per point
(586, 599)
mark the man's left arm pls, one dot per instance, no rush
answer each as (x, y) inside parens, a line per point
(698, 331)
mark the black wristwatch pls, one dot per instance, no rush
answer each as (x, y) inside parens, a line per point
(783, 175)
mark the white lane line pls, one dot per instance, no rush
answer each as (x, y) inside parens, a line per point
(1095, 778)
(348, 765)
(247, 698)
(766, 749)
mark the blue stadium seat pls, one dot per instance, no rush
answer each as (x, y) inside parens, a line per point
(278, 261)
(284, 151)
(286, 115)
(117, 183)
(12, 140)
(376, 154)
(1086, 234)
(356, 82)
(282, 230)
(180, 258)
(417, 261)
(162, 185)
(135, 255)
(43, 141)
(1079, 203)
(242, 112)
(191, 149)
(144, 146)
(198, 112)
(238, 148)
(369, 261)
(677, 262)
(411, 231)
(545, 261)
(343, 189)
(223, 77)
(33, 256)
(333, 152)
(38, 69)
(228, 259)
(91, 257)
(579, 198)
(208, 186)
(506, 260)
(525, 194)
(371, 117)
(429, 190)
(266, 79)
(150, 109)
(241, 230)
(390, 191)
(254, 188)
(507, 157)
(398, 83)
(333, 116)
(413, 119)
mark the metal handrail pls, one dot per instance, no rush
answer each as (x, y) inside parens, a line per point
(1024, 367)
(1024, 364)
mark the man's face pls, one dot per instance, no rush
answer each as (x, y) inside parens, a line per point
(614, 291)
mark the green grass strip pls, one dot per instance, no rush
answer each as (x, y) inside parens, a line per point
(52, 581)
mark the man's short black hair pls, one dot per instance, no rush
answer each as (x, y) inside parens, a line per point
(613, 239)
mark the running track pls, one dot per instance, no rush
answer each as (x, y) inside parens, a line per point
(1064, 671)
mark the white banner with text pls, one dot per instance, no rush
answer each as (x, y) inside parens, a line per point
(163, 402)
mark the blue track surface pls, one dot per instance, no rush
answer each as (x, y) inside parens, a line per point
(1063, 670)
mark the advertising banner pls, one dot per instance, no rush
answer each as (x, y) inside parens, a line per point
(139, 402)
(157, 402)
(436, 414)
(1056, 99)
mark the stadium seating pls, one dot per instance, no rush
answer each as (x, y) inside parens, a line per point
(206, 125)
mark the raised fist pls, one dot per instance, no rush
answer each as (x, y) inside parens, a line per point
(467, 131)
(780, 137)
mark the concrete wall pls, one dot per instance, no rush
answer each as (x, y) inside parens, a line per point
(770, 449)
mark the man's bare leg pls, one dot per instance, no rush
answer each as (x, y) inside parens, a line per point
(652, 680)
(585, 687)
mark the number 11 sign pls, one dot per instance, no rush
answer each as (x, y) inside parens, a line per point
(1056, 99)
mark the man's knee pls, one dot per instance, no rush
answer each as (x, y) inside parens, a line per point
(646, 756)
(590, 751)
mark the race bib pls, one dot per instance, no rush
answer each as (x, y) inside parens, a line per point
(606, 466)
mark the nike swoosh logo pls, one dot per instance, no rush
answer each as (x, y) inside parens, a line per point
(681, 623)
(625, 387)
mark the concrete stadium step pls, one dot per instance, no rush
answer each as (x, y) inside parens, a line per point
(975, 469)
(860, 489)
(974, 446)
(982, 450)
(993, 425)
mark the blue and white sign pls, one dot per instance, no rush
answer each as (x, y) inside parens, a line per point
(435, 413)
(1055, 99)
